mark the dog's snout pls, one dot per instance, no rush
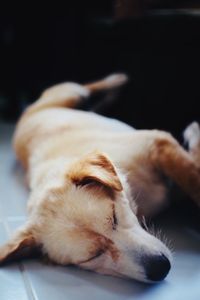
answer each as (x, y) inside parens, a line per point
(156, 267)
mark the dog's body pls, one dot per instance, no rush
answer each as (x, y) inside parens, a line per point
(90, 177)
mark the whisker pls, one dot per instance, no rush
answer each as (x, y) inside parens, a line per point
(158, 233)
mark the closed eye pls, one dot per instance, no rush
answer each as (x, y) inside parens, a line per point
(114, 222)
(98, 253)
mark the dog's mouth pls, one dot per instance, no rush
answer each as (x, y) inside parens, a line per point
(154, 268)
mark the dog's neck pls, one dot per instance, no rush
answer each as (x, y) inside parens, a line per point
(50, 173)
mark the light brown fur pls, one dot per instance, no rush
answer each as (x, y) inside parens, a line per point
(90, 178)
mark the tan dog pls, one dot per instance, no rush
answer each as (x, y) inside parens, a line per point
(90, 178)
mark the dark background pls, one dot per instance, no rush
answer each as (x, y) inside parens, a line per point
(159, 50)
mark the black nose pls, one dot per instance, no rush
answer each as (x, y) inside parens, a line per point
(156, 267)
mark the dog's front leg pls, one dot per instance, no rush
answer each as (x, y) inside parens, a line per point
(179, 165)
(192, 138)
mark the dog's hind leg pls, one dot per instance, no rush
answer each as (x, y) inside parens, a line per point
(70, 94)
(181, 166)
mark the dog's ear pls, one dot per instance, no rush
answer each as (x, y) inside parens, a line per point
(22, 245)
(95, 168)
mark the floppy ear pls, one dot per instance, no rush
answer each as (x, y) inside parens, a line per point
(22, 245)
(95, 168)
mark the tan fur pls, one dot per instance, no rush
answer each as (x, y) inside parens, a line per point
(178, 165)
(96, 167)
(90, 178)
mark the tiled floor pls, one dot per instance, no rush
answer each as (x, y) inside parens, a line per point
(34, 280)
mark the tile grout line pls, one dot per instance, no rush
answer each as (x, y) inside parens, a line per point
(4, 222)
(27, 284)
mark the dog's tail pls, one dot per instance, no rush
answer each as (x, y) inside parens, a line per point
(71, 94)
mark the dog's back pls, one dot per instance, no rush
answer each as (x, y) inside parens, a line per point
(52, 114)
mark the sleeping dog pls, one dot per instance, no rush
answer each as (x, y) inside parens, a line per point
(92, 179)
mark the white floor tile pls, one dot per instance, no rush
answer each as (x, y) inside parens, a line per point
(12, 285)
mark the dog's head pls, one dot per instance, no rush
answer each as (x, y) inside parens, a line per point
(88, 221)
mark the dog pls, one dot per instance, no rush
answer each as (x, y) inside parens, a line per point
(92, 179)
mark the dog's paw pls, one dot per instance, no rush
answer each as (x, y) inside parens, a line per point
(192, 135)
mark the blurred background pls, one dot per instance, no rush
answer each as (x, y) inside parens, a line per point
(156, 42)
